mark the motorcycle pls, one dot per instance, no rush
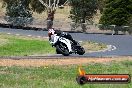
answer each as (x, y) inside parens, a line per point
(65, 46)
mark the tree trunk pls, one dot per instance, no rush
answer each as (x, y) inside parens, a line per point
(116, 29)
(83, 25)
(84, 28)
(50, 19)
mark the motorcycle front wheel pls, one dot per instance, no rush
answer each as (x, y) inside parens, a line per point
(62, 49)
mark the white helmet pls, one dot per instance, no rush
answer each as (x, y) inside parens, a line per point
(51, 32)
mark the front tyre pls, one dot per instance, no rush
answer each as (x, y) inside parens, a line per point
(62, 49)
(57, 51)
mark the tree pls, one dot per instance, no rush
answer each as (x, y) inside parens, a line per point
(18, 12)
(117, 12)
(101, 5)
(51, 6)
(14, 8)
(83, 10)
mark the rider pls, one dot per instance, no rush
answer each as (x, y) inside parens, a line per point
(60, 33)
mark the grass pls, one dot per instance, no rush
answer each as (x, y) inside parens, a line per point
(60, 76)
(23, 46)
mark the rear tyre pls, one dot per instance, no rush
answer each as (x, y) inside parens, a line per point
(62, 49)
(80, 50)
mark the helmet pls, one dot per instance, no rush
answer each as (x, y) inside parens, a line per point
(51, 32)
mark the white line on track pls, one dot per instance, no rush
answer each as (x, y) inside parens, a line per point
(45, 37)
(29, 35)
(17, 34)
(111, 47)
(38, 36)
(114, 48)
(80, 41)
(8, 33)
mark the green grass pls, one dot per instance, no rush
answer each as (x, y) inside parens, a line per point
(60, 76)
(22, 46)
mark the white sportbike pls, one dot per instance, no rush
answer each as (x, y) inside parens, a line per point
(65, 46)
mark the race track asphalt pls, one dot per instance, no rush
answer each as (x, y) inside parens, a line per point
(121, 45)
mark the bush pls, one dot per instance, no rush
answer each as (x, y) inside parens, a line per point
(18, 13)
(117, 12)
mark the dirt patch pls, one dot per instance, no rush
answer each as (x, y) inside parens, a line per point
(49, 62)
(90, 46)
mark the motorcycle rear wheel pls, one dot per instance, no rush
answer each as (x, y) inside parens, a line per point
(80, 50)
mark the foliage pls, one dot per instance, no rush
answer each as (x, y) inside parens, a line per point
(82, 10)
(18, 12)
(101, 5)
(117, 12)
(36, 6)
